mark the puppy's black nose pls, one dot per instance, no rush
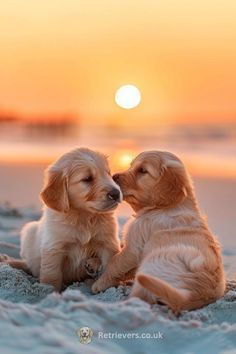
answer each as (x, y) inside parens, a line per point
(116, 177)
(114, 194)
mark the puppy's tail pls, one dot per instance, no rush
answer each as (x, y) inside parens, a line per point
(176, 299)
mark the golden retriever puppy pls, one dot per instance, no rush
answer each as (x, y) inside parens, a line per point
(77, 222)
(178, 260)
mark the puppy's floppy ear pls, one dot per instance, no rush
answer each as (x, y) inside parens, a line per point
(55, 194)
(172, 184)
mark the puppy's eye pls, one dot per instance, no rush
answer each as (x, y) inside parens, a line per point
(88, 179)
(142, 170)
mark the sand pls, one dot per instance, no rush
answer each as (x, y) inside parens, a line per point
(34, 319)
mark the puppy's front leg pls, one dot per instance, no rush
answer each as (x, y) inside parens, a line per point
(51, 268)
(118, 266)
(109, 243)
(106, 252)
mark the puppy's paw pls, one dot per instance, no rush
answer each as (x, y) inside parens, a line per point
(55, 284)
(4, 257)
(104, 283)
(97, 288)
(93, 267)
(101, 285)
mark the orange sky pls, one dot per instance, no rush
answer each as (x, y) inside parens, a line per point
(71, 56)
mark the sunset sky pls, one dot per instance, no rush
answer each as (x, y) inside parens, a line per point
(71, 56)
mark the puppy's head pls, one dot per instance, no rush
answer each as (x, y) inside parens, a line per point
(154, 179)
(81, 180)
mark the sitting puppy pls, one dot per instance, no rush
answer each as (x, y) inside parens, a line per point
(77, 222)
(178, 259)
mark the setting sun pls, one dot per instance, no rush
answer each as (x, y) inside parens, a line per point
(128, 96)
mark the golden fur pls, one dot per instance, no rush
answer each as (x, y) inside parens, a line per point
(77, 222)
(178, 260)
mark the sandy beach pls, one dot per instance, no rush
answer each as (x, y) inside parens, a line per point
(34, 319)
(48, 322)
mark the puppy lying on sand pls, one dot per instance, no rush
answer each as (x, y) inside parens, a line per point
(178, 259)
(77, 223)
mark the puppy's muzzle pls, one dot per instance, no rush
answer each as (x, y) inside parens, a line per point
(114, 195)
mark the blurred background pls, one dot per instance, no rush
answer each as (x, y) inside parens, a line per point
(62, 63)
